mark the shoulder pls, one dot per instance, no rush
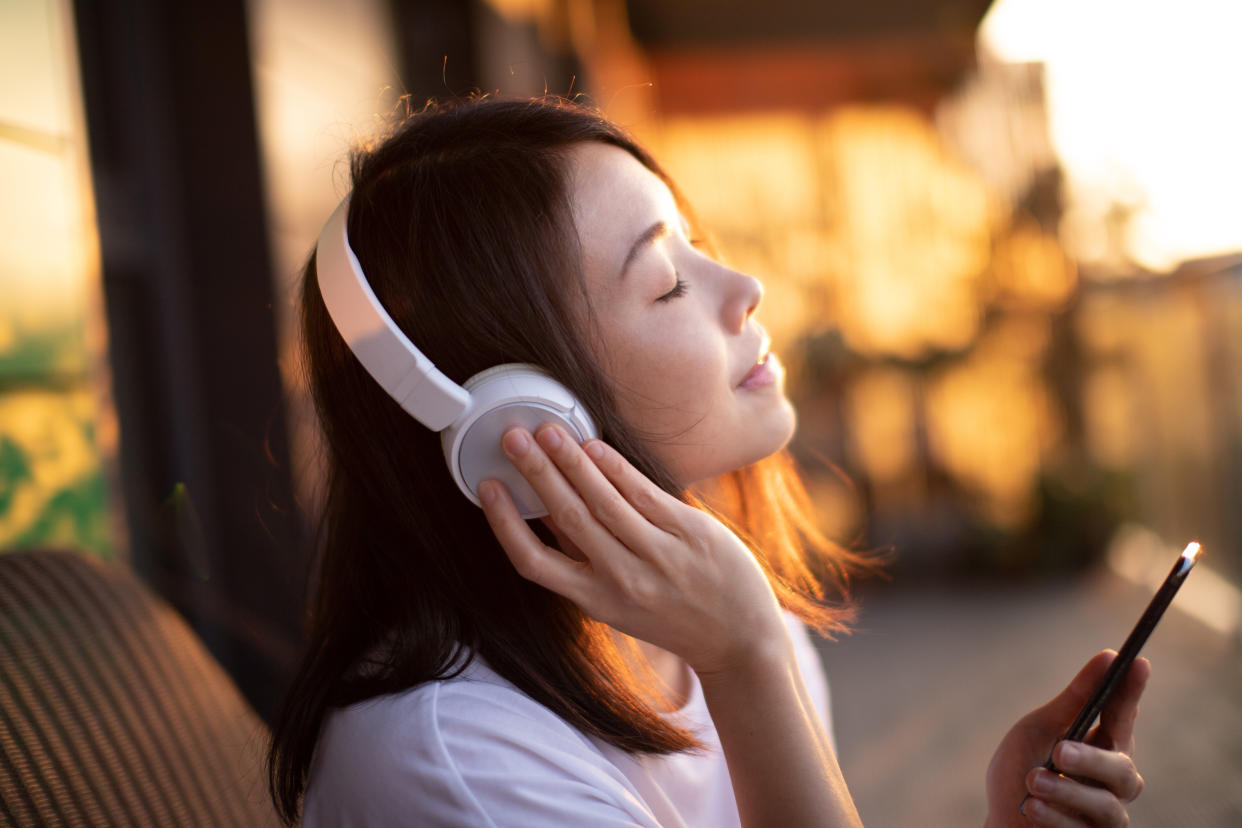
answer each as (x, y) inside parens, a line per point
(473, 750)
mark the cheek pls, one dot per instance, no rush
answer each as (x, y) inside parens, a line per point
(668, 385)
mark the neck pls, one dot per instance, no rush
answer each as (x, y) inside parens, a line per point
(667, 677)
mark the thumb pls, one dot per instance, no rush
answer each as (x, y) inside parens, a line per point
(1116, 728)
(1058, 714)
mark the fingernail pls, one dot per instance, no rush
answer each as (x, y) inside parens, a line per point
(549, 437)
(1069, 753)
(1043, 781)
(516, 443)
(595, 450)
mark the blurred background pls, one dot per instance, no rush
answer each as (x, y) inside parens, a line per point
(1002, 246)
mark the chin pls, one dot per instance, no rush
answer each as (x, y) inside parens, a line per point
(769, 437)
(791, 418)
(780, 427)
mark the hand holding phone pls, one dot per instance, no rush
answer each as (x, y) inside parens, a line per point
(1130, 649)
(1099, 779)
(1096, 778)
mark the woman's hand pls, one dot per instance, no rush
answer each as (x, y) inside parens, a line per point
(647, 564)
(1099, 776)
(651, 566)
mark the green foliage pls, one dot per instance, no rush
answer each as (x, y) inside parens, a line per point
(76, 517)
(50, 355)
(14, 471)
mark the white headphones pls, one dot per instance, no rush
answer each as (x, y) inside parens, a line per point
(470, 419)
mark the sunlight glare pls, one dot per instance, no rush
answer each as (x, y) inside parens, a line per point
(1142, 106)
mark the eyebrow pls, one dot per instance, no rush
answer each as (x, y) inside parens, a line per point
(653, 233)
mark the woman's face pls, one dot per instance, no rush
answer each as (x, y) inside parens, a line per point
(677, 333)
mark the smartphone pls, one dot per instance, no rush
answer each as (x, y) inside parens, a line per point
(1130, 649)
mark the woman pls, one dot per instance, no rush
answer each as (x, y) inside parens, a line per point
(626, 660)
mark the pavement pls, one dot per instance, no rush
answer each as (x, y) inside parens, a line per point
(936, 673)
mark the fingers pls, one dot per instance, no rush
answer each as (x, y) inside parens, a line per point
(1112, 770)
(1058, 800)
(1116, 728)
(531, 557)
(1047, 815)
(592, 493)
(568, 484)
(648, 499)
(567, 546)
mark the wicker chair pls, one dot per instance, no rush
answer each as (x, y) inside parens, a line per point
(111, 710)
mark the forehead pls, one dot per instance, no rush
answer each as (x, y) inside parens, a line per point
(614, 198)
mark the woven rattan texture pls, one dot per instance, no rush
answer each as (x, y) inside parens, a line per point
(111, 710)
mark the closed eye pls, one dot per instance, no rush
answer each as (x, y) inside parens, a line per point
(679, 289)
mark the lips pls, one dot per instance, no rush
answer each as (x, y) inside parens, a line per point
(764, 369)
(756, 370)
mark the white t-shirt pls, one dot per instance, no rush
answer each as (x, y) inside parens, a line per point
(476, 751)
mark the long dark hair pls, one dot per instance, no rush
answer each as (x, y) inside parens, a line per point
(461, 221)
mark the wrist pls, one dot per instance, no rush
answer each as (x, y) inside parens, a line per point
(757, 659)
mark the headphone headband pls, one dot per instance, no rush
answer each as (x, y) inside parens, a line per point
(384, 350)
(470, 420)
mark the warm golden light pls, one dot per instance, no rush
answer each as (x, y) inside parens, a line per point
(990, 420)
(858, 220)
(48, 249)
(881, 406)
(1109, 417)
(1031, 269)
(1192, 550)
(521, 10)
(1150, 146)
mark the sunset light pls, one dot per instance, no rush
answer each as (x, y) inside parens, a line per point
(1142, 108)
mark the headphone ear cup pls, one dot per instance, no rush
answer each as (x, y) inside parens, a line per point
(502, 398)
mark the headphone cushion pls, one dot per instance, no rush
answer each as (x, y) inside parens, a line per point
(502, 398)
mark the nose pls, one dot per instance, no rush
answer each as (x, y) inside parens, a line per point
(744, 296)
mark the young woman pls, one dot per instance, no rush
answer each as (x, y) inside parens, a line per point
(638, 657)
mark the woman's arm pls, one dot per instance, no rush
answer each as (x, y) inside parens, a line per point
(784, 772)
(667, 573)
